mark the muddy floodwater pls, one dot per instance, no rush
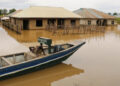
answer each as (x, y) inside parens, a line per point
(97, 63)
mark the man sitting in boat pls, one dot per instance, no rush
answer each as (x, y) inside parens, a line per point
(40, 50)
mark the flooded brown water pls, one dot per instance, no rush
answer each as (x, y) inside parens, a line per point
(97, 63)
(32, 35)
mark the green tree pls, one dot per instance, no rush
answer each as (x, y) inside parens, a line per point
(115, 14)
(12, 10)
(4, 11)
(0, 11)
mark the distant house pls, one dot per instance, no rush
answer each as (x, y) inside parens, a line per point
(6, 18)
(94, 17)
(38, 17)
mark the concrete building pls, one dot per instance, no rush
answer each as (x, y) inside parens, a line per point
(39, 17)
(95, 17)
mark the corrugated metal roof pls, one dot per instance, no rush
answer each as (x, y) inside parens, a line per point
(92, 13)
(45, 12)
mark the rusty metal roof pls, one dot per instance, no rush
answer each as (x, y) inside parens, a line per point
(92, 13)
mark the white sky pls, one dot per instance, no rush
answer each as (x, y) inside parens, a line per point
(103, 5)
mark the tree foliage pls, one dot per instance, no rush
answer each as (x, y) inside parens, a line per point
(12, 10)
(115, 14)
(6, 11)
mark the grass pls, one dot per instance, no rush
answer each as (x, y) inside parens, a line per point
(118, 20)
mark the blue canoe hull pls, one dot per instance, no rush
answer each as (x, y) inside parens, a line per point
(37, 64)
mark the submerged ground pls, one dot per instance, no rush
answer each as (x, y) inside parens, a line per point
(94, 64)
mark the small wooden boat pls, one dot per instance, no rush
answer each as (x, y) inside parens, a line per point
(21, 63)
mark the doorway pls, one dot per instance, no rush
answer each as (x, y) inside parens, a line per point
(51, 22)
(104, 22)
(25, 24)
(98, 22)
(60, 23)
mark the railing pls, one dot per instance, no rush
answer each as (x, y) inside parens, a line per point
(16, 28)
(75, 29)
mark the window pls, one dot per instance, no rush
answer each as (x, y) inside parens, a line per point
(39, 23)
(89, 22)
(112, 22)
(73, 22)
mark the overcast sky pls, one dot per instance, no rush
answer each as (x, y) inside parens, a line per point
(103, 5)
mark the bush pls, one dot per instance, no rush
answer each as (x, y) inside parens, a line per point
(118, 20)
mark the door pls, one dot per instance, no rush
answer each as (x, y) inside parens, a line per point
(25, 24)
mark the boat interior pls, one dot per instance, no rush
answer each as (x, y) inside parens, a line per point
(35, 53)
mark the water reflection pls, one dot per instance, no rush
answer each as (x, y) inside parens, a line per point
(43, 77)
(32, 35)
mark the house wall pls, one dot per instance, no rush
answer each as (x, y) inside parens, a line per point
(77, 22)
(85, 21)
(16, 23)
(19, 22)
(12, 20)
(109, 22)
(32, 23)
(93, 21)
(68, 22)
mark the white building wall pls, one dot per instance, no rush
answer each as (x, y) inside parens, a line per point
(83, 22)
(109, 22)
(93, 22)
